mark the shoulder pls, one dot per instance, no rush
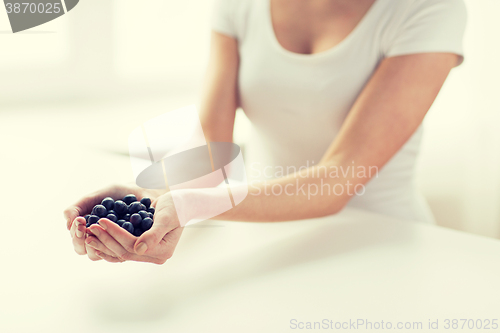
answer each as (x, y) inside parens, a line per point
(235, 7)
(425, 26)
(445, 9)
(230, 16)
(401, 12)
(437, 17)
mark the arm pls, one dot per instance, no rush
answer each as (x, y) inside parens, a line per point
(219, 98)
(388, 111)
(217, 112)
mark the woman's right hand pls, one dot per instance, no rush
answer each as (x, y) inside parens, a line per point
(75, 222)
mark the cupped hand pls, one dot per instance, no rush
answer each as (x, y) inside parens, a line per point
(114, 244)
(75, 222)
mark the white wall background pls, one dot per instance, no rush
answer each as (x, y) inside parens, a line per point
(125, 57)
(460, 165)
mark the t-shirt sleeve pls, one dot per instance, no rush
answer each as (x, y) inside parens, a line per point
(223, 18)
(430, 26)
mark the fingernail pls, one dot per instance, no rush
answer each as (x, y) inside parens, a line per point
(95, 231)
(79, 234)
(102, 224)
(92, 243)
(77, 223)
(141, 248)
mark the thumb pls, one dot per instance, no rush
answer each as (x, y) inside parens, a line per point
(151, 238)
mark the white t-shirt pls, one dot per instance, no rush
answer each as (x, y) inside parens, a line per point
(297, 103)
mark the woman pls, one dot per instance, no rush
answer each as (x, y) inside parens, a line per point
(327, 84)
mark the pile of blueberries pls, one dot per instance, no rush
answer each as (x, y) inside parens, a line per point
(132, 215)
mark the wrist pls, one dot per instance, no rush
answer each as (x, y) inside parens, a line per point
(200, 204)
(181, 199)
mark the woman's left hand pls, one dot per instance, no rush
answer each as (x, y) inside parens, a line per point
(114, 244)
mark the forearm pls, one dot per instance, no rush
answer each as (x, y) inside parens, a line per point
(387, 112)
(314, 192)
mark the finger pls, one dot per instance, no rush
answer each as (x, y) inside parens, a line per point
(95, 243)
(92, 254)
(85, 204)
(80, 208)
(131, 257)
(151, 238)
(72, 230)
(167, 245)
(111, 243)
(120, 235)
(78, 231)
(108, 258)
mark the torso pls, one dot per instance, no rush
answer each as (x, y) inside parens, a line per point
(303, 64)
(309, 27)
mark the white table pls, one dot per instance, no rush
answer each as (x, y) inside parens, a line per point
(225, 276)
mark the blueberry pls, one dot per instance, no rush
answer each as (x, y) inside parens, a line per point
(109, 203)
(87, 225)
(143, 214)
(112, 217)
(128, 226)
(120, 208)
(138, 231)
(128, 199)
(112, 212)
(134, 207)
(146, 224)
(100, 211)
(150, 215)
(93, 219)
(87, 217)
(135, 219)
(151, 210)
(146, 202)
(120, 222)
(143, 207)
(126, 217)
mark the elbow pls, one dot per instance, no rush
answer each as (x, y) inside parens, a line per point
(338, 207)
(332, 207)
